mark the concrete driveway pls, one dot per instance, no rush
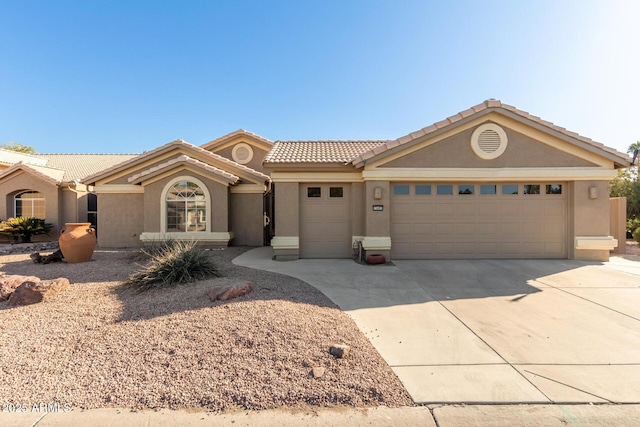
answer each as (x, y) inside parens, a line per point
(492, 331)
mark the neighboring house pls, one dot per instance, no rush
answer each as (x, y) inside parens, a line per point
(489, 182)
(48, 186)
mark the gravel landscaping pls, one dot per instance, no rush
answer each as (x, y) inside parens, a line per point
(99, 345)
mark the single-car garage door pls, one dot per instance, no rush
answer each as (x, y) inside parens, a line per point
(325, 221)
(484, 220)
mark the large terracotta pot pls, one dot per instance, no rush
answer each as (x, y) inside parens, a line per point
(77, 242)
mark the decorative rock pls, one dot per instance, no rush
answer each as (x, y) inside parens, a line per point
(52, 257)
(223, 293)
(318, 371)
(339, 350)
(9, 283)
(31, 292)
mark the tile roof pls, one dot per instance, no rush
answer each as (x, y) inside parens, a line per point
(9, 157)
(318, 151)
(54, 176)
(488, 105)
(166, 147)
(183, 159)
(78, 166)
(228, 136)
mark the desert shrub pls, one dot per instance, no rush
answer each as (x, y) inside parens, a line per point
(636, 235)
(174, 263)
(152, 248)
(632, 225)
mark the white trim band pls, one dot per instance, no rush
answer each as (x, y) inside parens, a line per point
(596, 242)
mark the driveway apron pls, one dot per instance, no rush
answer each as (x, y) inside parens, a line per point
(491, 331)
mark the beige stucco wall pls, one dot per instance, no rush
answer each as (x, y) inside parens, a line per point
(120, 220)
(618, 222)
(456, 152)
(246, 219)
(255, 163)
(378, 223)
(287, 210)
(358, 208)
(589, 217)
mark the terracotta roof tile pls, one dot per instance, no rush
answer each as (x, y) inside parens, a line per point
(9, 157)
(224, 138)
(169, 146)
(491, 103)
(182, 159)
(318, 151)
(78, 166)
(54, 176)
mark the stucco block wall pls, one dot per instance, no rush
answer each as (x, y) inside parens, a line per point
(618, 222)
(287, 209)
(378, 223)
(590, 216)
(120, 220)
(358, 208)
(456, 152)
(246, 219)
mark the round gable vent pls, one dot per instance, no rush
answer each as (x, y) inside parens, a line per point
(489, 141)
(242, 153)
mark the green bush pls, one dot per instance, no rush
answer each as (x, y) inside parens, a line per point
(176, 262)
(25, 227)
(633, 224)
(636, 235)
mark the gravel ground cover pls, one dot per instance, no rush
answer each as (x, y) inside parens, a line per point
(98, 345)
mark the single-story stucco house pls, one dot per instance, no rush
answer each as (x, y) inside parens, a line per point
(492, 181)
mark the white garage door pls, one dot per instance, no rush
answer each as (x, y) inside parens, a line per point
(517, 220)
(325, 221)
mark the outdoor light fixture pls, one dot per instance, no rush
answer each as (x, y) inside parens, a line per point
(593, 192)
(377, 193)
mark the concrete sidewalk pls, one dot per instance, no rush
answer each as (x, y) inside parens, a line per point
(442, 416)
(491, 331)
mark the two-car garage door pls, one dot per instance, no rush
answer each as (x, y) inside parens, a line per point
(481, 220)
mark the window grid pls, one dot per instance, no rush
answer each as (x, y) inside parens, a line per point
(186, 208)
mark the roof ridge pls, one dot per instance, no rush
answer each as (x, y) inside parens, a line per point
(485, 105)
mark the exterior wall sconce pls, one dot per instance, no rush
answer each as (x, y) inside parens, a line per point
(593, 192)
(377, 193)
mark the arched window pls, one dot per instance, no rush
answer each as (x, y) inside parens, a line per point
(29, 203)
(186, 207)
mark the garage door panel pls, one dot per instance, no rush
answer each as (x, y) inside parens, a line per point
(445, 210)
(467, 226)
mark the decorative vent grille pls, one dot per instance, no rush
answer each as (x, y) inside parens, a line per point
(489, 141)
(242, 153)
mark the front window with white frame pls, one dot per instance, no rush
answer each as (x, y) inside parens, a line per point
(29, 203)
(186, 207)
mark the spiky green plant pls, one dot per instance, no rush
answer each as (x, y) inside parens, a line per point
(25, 227)
(151, 248)
(178, 262)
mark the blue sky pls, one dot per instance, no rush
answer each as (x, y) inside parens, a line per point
(128, 76)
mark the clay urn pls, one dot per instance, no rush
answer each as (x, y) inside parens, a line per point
(77, 242)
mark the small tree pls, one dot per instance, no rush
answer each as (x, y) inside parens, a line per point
(20, 148)
(25, 227)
